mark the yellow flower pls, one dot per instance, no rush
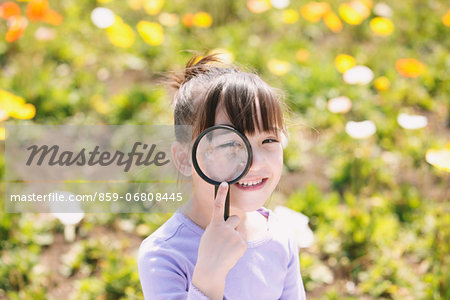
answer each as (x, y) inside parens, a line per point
(446, 18)
(278, 67)
(344, 62)
(153, 7)
(302, 55)
(313, 11)
(2, 133)
(382, 83)
(135, 4)
(202, 19)
(224, 55)
(152, 33)
(26, 111)
(354, 12)
(409, 67)
(99, 105)
(381, 26)
(332, 21)
(439, 158)
(120, 34)
(3, 115)
(15, 106)
(290, 16)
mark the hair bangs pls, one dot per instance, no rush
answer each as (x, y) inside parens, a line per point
(250, 104)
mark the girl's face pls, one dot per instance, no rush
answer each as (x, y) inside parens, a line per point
(252, 191)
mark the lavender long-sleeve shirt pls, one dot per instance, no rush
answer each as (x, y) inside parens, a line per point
(269, 269)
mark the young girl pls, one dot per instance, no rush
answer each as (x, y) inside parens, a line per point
(198, 255)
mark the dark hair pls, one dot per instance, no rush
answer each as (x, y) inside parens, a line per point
(240, 95)
(190, 85)
(208, 83)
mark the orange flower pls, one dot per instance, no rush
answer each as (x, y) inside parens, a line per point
(9, 9)
(446, 18)
(37, 9)
(188, 20)
(52, 17)
(16, 28)
(302, 55)
(332, 21)
(258, 6)
(367, 3)
(313, 11)
(409, 67)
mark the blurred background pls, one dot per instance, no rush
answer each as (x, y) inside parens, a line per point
(367, 84)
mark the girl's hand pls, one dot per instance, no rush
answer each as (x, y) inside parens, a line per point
(221, 246)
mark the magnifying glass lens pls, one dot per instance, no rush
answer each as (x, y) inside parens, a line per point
(222, 155)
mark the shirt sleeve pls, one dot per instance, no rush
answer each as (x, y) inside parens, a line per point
(162, 278)
(293, 283)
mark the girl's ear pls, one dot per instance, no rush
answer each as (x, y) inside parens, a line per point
(182, 158)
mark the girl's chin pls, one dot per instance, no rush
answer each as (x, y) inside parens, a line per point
(247, 205)
(246, 209)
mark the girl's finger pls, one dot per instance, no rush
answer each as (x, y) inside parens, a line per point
(233, 221)
(219, 203)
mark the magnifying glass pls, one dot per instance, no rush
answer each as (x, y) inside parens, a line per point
(221, 153)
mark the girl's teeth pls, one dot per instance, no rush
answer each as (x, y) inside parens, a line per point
(251, 183)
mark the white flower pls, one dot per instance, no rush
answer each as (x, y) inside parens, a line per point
(168, 19)
(358, 75)
(339, 105)
(360, 130)
(102, 17)
(383, 10)
(67, 212)
(298, 223)
(412, 121)
(280, 3)
(44, 34)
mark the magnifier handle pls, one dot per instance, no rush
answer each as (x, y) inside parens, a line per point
(227, 202)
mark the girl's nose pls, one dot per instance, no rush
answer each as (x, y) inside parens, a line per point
(257, 160)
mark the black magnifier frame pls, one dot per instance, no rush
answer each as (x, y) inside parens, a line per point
(214, 182)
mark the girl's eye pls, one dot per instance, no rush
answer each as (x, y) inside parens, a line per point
(270, 141)
(229, 144)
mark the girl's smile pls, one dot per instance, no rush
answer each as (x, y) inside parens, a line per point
(251, 185)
